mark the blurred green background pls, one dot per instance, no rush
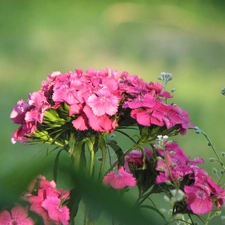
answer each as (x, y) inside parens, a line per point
(185, 38)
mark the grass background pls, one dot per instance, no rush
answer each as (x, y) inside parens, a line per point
(145, 38)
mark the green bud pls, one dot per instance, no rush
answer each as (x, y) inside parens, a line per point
(172, 152)
(211, 159)
(173, 90)
(159, 158)
(161, 168)
(221, 171)
(168, 182)
(223, 154)
(223, 91)
(214, 170)
(217, 213)
(197, 130)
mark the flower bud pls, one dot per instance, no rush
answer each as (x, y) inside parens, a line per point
(211, 159)
(168, 182)
(223, 91)
(172, 152)
(173, 90)
(161, 168)
(178, 195)
(214, 170)
(159, 158)
(223, 154)
(217, 213)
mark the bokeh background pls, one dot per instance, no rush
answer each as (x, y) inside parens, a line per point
(185, 38)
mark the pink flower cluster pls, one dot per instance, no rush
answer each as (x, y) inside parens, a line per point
(45, 200)
(201, 191)
(48, 202)
(99, 101)
(173, 165)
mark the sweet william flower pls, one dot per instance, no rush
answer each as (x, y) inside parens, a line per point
(119, 179)
(56, 212)
(198, 199)
(103, 102)
(18, 216)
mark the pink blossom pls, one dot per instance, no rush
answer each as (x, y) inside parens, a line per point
(56, 212)
(141, 101)
(46, 190)
(21, 133)
(103, 102)
(18, 216)
(155, 88)
(198, 199)
(19, 111)
(81, 122)
(135, 158)
(119, 179)
(146, 117)
(99, 123)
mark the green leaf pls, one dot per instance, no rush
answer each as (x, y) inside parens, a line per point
(117, 150)
(73, 204)
(55, 167)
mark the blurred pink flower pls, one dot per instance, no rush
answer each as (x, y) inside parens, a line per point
(119, 179)
(18, 216)
(56, 212)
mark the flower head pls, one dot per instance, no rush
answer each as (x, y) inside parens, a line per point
(119, 179)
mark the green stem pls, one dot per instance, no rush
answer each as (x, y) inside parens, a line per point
(90, 145)
(208, 219)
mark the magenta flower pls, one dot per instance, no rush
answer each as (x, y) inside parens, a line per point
(56, 212)
(19, 111)
(103, 102)
(99, 123)
(119, 179)
(46, 191)
(198, 199)
(18, 216)
(141, 101)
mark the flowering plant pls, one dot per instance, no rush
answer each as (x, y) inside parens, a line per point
(80, 113)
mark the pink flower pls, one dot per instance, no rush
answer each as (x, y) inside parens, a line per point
(18, 216)
(19, 111)
(119, 179)
(135, 158)
(198, 199)
(103, 102)
(99, 123)
(46, 191)
(81, 122)
(141, 101)
(56, 212)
